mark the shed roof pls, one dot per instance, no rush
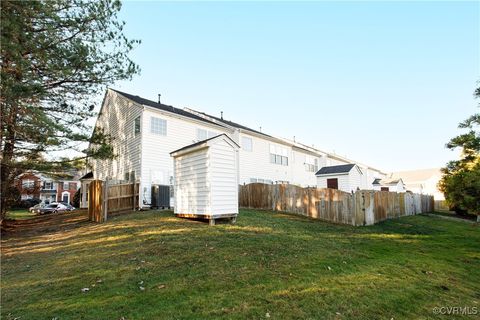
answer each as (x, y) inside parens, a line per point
(199, 143)
(385, 182)
(344, 168)
(89, 175)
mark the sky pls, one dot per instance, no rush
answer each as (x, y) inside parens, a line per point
(382, 83)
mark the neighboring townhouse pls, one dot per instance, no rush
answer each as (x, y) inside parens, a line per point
(145, 132)
(29, 184)
(67, 187)
(34, 185)
(423, 181)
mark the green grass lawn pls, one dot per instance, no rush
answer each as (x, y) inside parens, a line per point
(20, 214)
(268, 265)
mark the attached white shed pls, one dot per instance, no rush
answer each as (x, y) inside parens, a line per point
(206, 179)
(346, 177)
(392, 185)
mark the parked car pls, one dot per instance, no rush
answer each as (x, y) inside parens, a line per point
(36, 208)
(68, 206)
(54, 208)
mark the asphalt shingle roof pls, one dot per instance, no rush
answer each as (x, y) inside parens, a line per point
(344, 168)
(163, 107)
(234, 124)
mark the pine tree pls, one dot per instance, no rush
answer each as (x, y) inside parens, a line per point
(461, 180)
(56, 58)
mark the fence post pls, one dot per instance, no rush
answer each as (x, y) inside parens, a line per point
(105, 200)
(133, 194)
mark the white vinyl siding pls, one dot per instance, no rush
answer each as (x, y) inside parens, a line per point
(191, 183)
(224, 178)
(118, 118)
(206, 180)
(157, 165)
(347, 182)
(158, 126)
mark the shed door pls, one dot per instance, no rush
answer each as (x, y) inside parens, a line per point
(332, 183)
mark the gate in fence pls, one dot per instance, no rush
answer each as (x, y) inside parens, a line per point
(105, 199)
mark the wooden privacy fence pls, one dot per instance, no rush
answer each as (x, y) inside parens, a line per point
(105, 199)
(359, 208)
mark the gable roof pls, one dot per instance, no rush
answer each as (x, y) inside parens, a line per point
(163, 107)
(386, 182)
(344, 168)
(196, 144)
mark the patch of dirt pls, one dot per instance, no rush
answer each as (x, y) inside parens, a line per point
(44, 224)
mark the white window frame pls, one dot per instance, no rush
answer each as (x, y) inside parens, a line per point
(247, 144)
(28, 183)
(203, 134)
(158, 126)
(311, 164)
(278, 155)
(48, 183)
(137, 124)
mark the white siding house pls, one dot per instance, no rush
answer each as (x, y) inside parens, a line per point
(145, 132)
(206, 179)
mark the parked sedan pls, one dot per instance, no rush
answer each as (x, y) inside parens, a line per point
(54, 208)
(36, 208)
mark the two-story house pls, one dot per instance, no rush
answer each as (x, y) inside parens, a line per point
(35, 185)
(144, 133)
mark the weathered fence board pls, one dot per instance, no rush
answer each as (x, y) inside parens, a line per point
(105, 199)
(359, 208)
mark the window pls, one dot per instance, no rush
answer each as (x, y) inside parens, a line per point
(311, 164)
(278, 155)
(27, 183)
(48, 185)
(332, 183)
(127, 176)
(158, 126)
(66, 186)
(384, 189)
(26, 196)
(247, 143)
(137, 126)
(203, 134)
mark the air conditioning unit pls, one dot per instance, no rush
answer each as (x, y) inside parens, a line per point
(160, 196)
